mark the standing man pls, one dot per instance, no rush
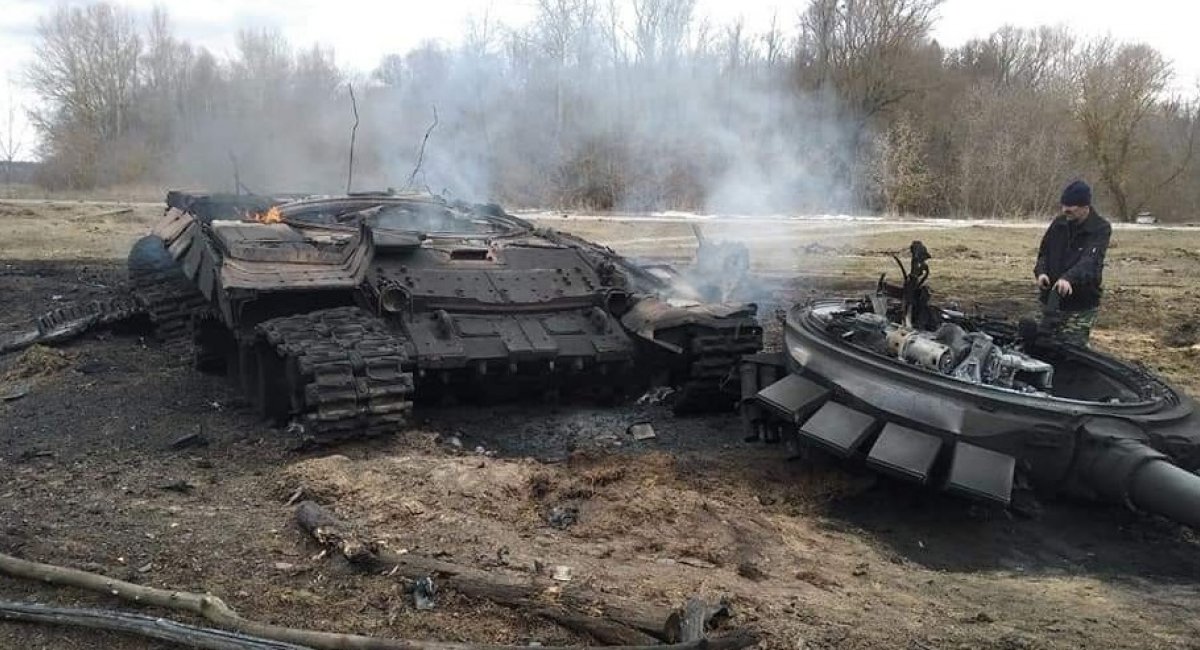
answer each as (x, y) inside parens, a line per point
(1070, 263)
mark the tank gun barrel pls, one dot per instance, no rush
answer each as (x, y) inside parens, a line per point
(1169, 490)
(1128, 471)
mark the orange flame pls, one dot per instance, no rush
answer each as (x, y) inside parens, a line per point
(270, 216)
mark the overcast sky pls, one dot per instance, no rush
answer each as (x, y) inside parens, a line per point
(362, 31)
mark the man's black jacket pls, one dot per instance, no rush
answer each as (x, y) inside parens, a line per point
(1075, 251)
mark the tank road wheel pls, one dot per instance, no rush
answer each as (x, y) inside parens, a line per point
(247, 376)
(271, 384)
(211, 343)
(342, 373)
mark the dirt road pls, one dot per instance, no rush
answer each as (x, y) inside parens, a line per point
(812, 554)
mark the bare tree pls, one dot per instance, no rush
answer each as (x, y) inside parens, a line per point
(661, 29)
(1118, 90)
(562, 29)
(870, 55)
(1011, 56)
(773, 41)
(12, 141)
(85, 70)
(863, 49)
(899, 169)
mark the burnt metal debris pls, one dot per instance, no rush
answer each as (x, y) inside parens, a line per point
(972, 404)
(339, 312)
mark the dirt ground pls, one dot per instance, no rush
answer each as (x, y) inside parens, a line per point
(812, 554)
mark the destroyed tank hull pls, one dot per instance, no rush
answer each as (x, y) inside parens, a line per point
(337, 313)
(1107, 429)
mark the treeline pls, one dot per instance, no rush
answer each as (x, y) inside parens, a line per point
(632, 104)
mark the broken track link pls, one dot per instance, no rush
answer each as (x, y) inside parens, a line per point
(71, 320)
(171, 302)
(340, 372)
(80, 316)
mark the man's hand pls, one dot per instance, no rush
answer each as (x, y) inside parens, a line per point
(1063, 287)
(1043, 281)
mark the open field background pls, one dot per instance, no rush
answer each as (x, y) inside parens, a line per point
(812, 554)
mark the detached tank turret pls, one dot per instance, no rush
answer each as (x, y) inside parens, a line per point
(339, 312)
(975, 405)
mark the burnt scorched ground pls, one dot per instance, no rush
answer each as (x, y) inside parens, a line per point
(811, 554)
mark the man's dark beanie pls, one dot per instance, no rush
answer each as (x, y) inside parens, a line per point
(1077, 193)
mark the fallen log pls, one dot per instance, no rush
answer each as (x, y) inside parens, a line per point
(216, 611)
(642, 622)
(151, 627)
(607, 632)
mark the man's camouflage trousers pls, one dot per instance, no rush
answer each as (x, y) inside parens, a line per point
(1075, 326)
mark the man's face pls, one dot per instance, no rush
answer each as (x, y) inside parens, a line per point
(1076, 212)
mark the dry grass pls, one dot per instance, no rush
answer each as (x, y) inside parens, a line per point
(75, 230)
(38, 361)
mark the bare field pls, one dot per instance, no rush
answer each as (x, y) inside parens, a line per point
(72, 230)
(811, 554)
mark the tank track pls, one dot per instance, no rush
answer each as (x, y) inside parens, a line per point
(713, 357)
(171, 302)
(345, 374)
(71, 320)
(77, 317)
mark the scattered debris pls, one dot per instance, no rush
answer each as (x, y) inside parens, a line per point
(1184, 334)
(751, 571)
(424, 593)
(562, 517)
(561, 573)
(641, 431)
(284, 566)
(15, 391)
(295, 498)
(181, 486)
(656, 395)
(93, 367)
(196, 439)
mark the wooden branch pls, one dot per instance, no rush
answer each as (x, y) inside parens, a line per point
(535, 593)
(210, 607)
(421, 153)
(215, 610)
(353, 133)
(151, 627)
